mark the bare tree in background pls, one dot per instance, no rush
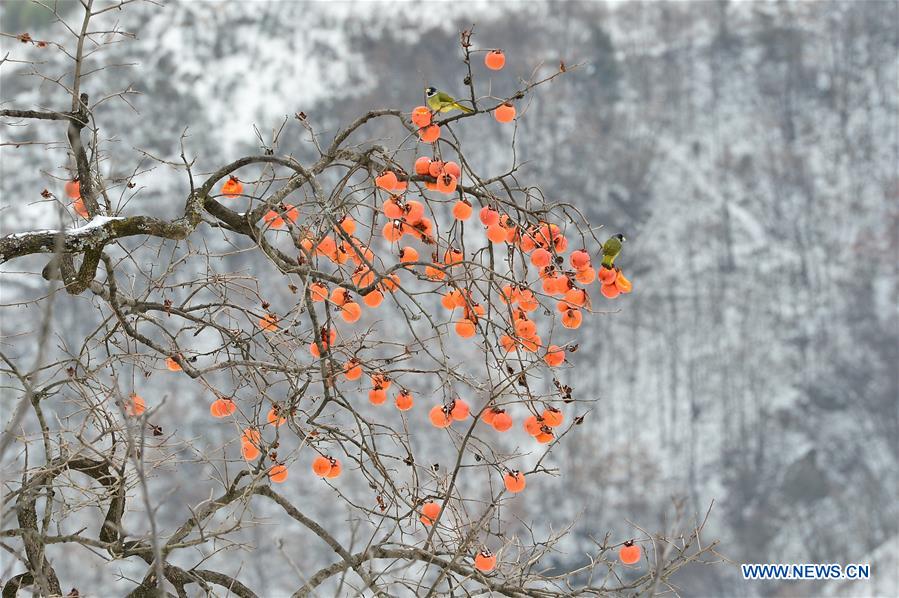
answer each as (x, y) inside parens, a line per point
(358, 226)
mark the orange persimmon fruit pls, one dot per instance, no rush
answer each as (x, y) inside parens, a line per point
(336, 469)
(572, 319)
(629, 553)
(555, 356)
(135, 405)
(278, 473)
(485, 561)
(429, 134)
(422, 165)
(377, 396)
(275, 417)
(439, 417)
(495, 60)
(496, 233)
(321, 466)
(351, 312)
(404, 400)
(465, 328)
(269, 323)
(232, 188)
(489, 216)
(502, 422)
(172, 365)
(387, 180)
(541, 257)
(352, 370)
(623, 284)
(514, 481)
(610, 291)
(80, 208)
(222, 408)
(505, 113)
(73, 189)
(460, 410)
(421, 116)
(553, 417)
(429, 512)
(374, 298)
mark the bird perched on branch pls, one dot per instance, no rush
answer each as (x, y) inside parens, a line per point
(440, 101)
(611, 249)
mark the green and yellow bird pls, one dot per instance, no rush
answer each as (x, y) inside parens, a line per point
(611, 249)
(440, 101)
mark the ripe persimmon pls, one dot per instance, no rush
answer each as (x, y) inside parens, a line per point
(531, 344)
(404, 400)
(80, 208)
(321, 466)
(232, 188)
(429, 513)
(485, 561)
(576, 297)
(327, 246)
(514, 481)
(222, 408)
(505, 113)
(429, 134)
(377, 396)
(278, 473)
(629, 553)
(275, 219)
(269, 323)
(423, 165)
(495, 60)
(275, 416)
(380, 381)
(387, 180)
(408, 254)
(435, 168)
(134, 405)
(502, 422)
(489, 414)
(532, 425)
(507, 343)
(351, 312)
(393, 209)
(249, 451)
(610, 291)
(496, 233)
(73, 189)
(525, 328)
(421, 116)
(352, 370)
(318, 292)
(489, 216)
(553, 417)
(459, 410)
(251, 436)
(527, 301)
(545, 436)
(623, 284)
(339, 296)
(453, 168)
(172, 365)
(446, 183)
(579, 259)
(572, 319)
(415, 211)
(393, 230)
(465, 328)
(433, 272)
(439, 417)
(347, 224)
(585, 276)
(336, 469)
(541, 257)
(452, 257)
(374, 298)
(607, 275)
(555, 356)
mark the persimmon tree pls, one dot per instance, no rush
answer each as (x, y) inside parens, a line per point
(403, 319)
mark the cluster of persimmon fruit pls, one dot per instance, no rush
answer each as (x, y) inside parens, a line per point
(542, 245)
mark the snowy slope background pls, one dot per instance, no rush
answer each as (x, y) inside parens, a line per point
(749, 151)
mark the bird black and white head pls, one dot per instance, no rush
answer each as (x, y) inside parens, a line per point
(431, 91)
(620, 237)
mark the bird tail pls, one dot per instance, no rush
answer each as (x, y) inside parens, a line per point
(464, 109)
